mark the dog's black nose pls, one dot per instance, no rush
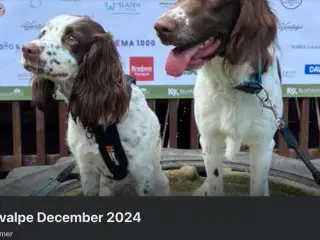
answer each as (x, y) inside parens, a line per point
(30, 50)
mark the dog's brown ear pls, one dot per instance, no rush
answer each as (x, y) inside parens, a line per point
(42, 92)
(255, 30)
(99, 92)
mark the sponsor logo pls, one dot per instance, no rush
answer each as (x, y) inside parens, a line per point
(292, 91)
(302, 91)
(141, 68)
(176, 92)
(288, 73)
(35, 3)
(135, 43)
(129, 7)
(112, 155)
(32, 25)
(167, 4)
(16, 92)
(9, 46)
(2, 10)
(289, 27)
(305, 46)
(24, 75)
(291, 4)
(312, 69)
(173, 92)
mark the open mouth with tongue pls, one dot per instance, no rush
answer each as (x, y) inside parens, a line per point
(182, 59)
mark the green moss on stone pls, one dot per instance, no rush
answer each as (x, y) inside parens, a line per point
(186, 180)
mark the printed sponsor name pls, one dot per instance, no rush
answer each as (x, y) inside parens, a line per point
(176, 92)
(312, 69)
(141, 70)
(32, 25)
(289, 26)
(288, 73)
(9, 46)
(123, 7)
(302, 91)
(167, 4)
(135, 43)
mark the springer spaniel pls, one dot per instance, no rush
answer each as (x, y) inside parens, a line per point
(225, 40)
(75, 58)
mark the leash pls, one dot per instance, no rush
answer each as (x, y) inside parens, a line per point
(288, 136)
(110, 148)
(254, 86)
(64, 175)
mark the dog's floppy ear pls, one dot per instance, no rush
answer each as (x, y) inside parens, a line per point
(255, 30)
(99, 92)
(42, 92)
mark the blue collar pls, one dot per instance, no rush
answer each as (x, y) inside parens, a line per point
(252, 86)
(259, 74)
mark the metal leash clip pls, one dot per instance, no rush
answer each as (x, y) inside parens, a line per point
(288, 136)
(266, 103)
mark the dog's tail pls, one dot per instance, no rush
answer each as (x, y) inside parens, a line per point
(232, 147)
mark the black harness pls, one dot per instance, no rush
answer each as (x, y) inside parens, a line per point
(110, 145)
(110, 148)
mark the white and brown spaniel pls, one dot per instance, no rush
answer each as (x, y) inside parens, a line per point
(225, 40)
(75, 58)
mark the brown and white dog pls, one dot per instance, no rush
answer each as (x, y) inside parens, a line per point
(225, 40)
(75, 58)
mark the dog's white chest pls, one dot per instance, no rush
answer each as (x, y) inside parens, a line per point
(220, 109)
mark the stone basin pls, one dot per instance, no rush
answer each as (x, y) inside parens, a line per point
(185, 169)
(187, 179)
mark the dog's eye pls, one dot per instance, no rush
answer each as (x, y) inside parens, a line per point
(71, 40)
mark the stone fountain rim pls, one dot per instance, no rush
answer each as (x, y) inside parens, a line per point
(282, 167)
(21, 180)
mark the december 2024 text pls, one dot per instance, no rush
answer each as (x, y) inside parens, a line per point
(41, 217)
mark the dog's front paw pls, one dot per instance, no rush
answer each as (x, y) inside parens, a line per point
(207, 190)
(201, 191)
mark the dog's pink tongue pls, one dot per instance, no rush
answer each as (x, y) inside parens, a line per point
(178, 61)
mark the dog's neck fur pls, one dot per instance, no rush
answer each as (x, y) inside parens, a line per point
(63, 89)
(238, 73)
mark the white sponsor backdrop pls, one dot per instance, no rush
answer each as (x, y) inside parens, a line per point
(131, 23)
